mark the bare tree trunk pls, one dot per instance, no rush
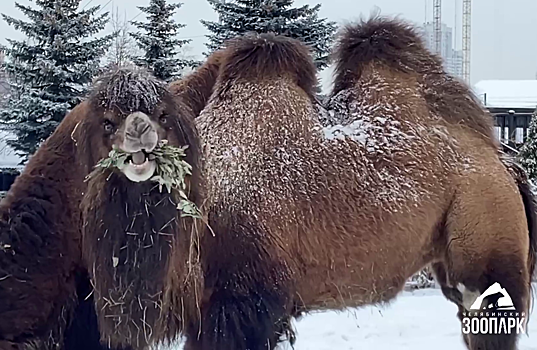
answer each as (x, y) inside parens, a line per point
(123, 48)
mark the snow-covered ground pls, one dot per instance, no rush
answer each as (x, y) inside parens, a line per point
(420, 320)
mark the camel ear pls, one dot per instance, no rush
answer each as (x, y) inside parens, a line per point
(196, 89)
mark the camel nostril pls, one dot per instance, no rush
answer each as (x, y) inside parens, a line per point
(137, 131)
(140, 133)
(145, 129)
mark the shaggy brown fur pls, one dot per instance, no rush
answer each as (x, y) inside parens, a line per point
(43, 284)
(137, 247)
(396, 44)
(195, 90)
(260, 58)
(309, 216)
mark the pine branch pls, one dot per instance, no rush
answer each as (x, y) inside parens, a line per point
(171, 171)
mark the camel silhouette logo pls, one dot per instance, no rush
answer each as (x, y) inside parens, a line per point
(495, 298)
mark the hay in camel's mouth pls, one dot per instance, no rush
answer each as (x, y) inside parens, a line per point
(165, 165)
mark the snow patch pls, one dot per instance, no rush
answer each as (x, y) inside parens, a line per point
(130, 89)
(375, 134)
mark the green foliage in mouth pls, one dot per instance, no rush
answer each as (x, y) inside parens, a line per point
(171, 171)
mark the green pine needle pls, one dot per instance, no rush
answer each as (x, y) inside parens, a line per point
(170, 173)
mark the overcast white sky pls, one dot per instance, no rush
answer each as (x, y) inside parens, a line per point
(504, 32)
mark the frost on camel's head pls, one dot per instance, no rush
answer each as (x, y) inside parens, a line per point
(133, 113)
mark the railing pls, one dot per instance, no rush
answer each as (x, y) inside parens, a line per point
(512, 128)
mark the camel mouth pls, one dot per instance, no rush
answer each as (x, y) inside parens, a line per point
(140, 166)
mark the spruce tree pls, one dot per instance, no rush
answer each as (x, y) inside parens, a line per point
(49, 72)
(528, 153)
(159, 41)
(238, 17)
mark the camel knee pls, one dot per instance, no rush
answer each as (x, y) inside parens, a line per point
(467, 296)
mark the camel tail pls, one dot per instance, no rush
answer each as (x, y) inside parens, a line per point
(530, 207)
(264, 56)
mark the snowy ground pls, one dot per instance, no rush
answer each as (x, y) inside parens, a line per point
(420, 320)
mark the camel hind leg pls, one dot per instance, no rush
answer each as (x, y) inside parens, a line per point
(488, 243)
(469, 290)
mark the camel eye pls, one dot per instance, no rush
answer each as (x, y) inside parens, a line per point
(163, 119)
(109, 127)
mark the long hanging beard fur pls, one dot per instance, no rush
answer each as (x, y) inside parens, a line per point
(127, 238)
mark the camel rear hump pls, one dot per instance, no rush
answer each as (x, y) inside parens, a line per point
(398, 46)
(388, 41)
(264, 56)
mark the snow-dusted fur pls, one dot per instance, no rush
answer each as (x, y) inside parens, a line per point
(312, 212)
(130, 89)
(374, 42)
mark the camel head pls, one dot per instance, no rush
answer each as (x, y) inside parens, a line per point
(133, 112)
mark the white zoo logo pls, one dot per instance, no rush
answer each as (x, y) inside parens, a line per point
(493, 312)
(497, 298)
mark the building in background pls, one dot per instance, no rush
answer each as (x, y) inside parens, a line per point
(452, 58)
(454, 64)
(512, 103)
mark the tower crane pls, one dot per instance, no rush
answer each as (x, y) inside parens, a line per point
(437, 26)
(466, 38)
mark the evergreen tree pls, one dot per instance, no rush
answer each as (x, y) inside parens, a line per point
(159, 42)
(238, 17)
(50, 71)
(528, 153)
